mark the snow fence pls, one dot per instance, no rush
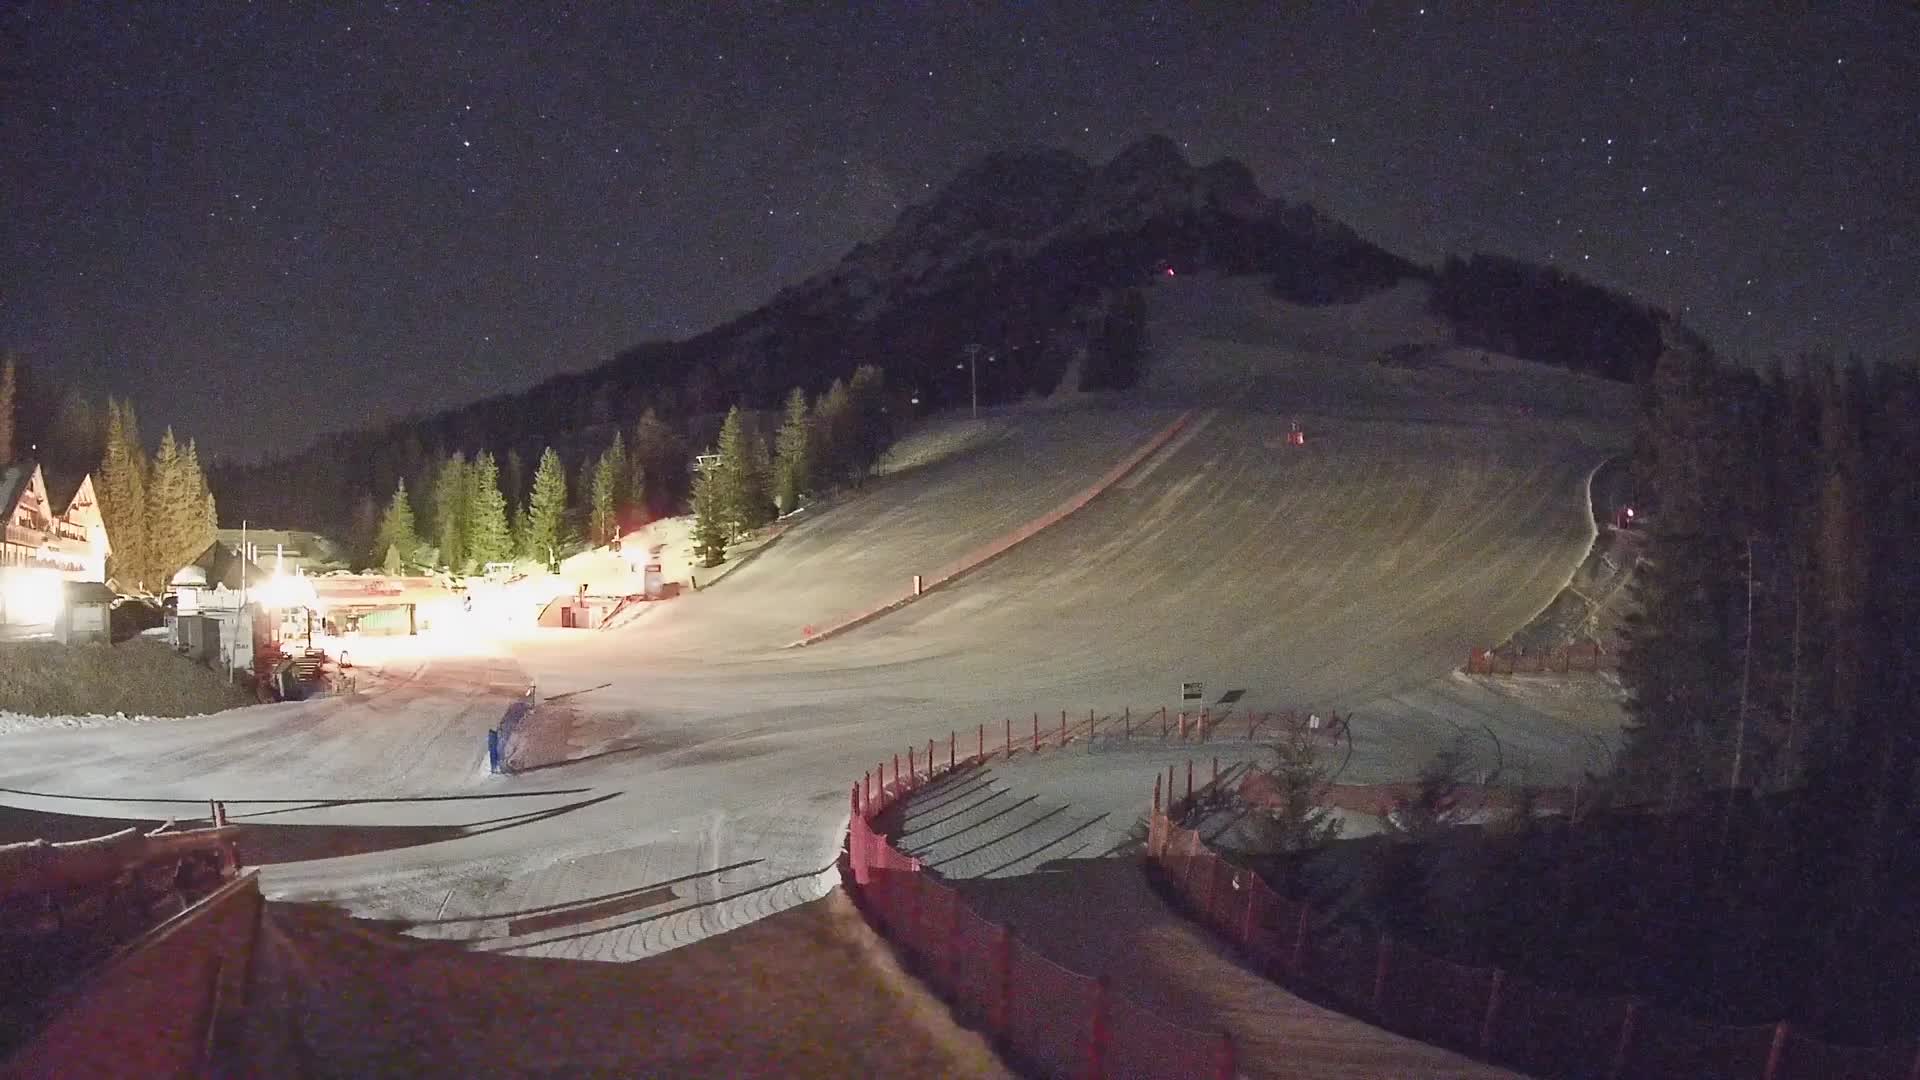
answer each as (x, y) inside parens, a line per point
(1044, 1018)
(1484, 1012)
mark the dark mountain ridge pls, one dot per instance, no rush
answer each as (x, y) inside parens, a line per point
(1034, 255)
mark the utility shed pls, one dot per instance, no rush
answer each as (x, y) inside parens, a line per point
(85, 614)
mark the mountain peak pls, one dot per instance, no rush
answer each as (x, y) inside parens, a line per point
(1152, 156)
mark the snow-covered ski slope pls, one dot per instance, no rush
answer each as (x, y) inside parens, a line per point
(696, 768)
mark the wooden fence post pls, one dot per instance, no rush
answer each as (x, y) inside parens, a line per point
(1097, 1031)
(953, 943)
(929, 759)
(1382, 966)
(981, 751)
(1003, 984)
(1299, 958)
(1495, 990)
(1213, 884)
(1126, 723)
(1776, 1051)
(1623, 1050)
(913, 774)
(896, 774)
(1008, 747)
(1189, 779)
(1156, 794)
(1063, 729)
(856, 848)
(1225, 1066)
(953, 742)
(1036, 733)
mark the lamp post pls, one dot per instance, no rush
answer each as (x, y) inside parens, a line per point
(973, 376)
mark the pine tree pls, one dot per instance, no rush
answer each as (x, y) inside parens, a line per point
(660, 463)
(833, 432)
(1681, 668)
(793, 473)
(709, 526)
(453, 512)
(396, 542)
(544, 523)
(869, 428)
(171, 510)
(201, 516)
(513, 481)
(604, 498)
(739, 484)
(363, 526)
(490, 539)
(123, 497)
(9, 388)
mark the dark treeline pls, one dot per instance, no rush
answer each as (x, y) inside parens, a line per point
(1545, 314)
(1771, 663)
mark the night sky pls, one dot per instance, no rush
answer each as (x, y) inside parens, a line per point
(263, 223)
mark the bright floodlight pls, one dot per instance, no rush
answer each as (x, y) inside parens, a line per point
(32, 594)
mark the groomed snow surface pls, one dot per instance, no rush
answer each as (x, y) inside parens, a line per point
(689, 774)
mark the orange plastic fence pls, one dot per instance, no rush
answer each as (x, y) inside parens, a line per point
(1043, 1016)
(1490, 1014)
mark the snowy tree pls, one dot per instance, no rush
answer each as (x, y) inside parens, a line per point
(396, 541)
(543, 532)
(453, 512)
(122, 491)
(709, 528)
(740, 484)
(489, 539)
(793, 470)
(606, 500)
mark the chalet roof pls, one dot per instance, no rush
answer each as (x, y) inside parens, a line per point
(89, 592)
(223, 566)
(62, 485)
(13, 482)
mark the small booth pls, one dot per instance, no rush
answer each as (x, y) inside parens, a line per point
(85, 614)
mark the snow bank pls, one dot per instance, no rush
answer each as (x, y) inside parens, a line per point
(13, 722)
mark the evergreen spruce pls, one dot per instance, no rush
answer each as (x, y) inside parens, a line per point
(362, 527)
(490, 539)
(740, 484)
(201, 517)
(396, 540)
(709, 524)
(544, 524)
(603, 518)
(793, 470)
(453, 512)
(123, 497)
(660, 463)
(833, 432)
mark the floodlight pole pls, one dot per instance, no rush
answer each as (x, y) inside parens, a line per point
(973, 376)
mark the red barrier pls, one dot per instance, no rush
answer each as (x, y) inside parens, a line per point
(1493, 1015)
(1045, 1017)
(161, 1005)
